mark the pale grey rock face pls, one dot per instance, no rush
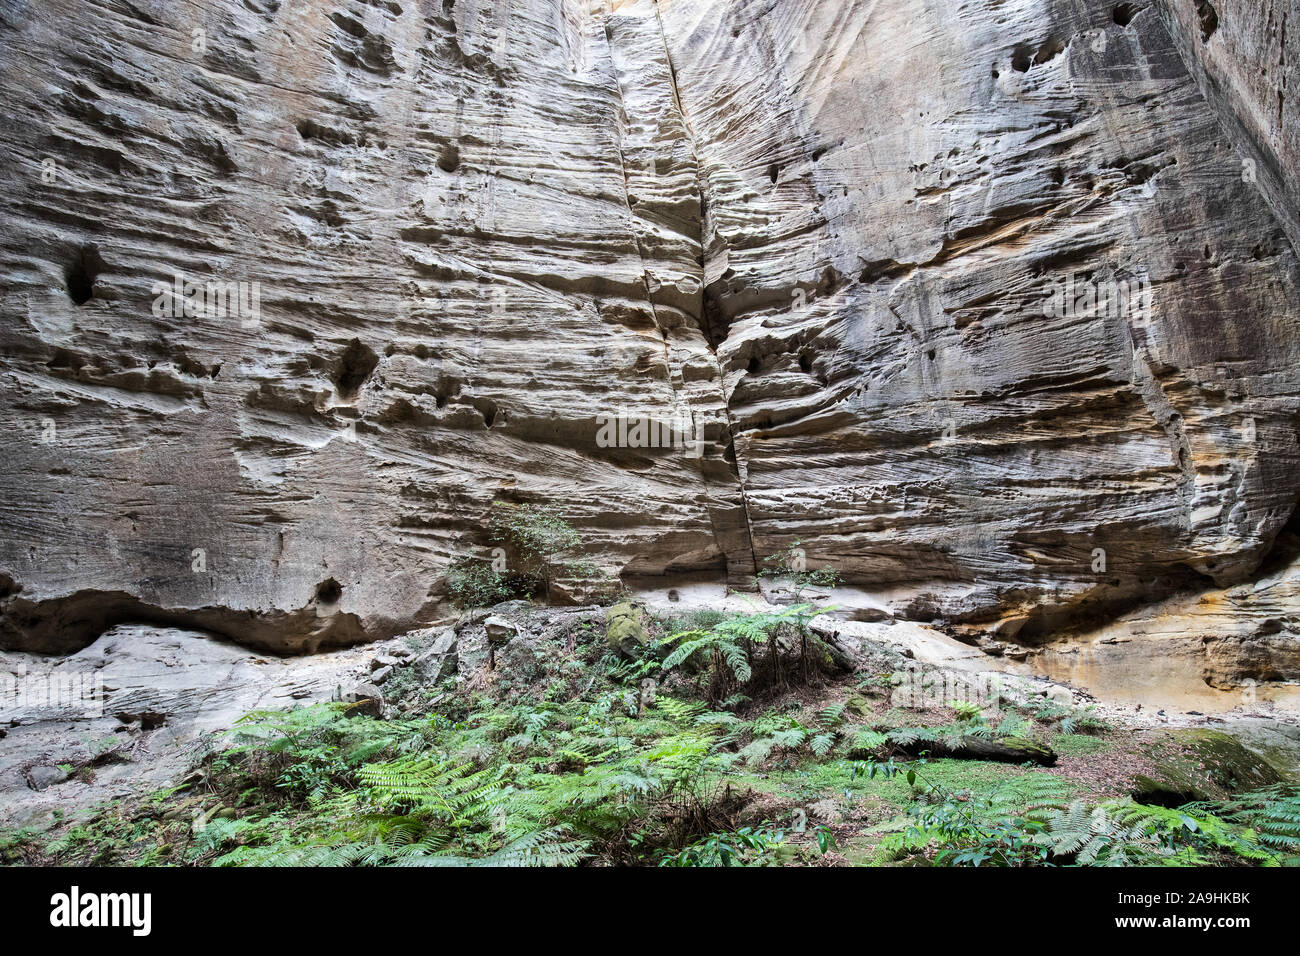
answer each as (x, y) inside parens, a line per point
(825, 243)
(949, 436)
(136, 708)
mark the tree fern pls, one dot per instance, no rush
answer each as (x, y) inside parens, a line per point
(727, 652)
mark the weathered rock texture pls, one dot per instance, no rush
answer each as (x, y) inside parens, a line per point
(137, 707)
(1244, 54)
(1211, 650)
(823, 232)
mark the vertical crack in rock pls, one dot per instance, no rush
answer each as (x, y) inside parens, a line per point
(665, 203)
(628, 199)
(708, 306)
(963, 219)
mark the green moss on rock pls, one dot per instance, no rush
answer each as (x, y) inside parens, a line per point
(1201, 764)
(625, 631)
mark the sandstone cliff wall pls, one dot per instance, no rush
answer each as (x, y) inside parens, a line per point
(832, 237)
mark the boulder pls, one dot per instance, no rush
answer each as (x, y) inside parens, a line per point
(1200, 764)
(500, 631)
(625, 632)
(439, 661)
(41, 778)
(367, 700)
(472, 618)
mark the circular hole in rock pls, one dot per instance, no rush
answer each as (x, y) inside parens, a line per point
(449, 159)
(329, 591)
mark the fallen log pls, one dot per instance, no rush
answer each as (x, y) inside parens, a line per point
(1002, 750)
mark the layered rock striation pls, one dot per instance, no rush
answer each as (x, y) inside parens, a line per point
(989, 305)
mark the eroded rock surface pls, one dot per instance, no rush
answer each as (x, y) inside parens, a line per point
(1244, 54)
(1208, 650)
(134, 709)
(821, 237)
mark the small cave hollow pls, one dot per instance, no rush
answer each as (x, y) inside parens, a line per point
(1209, 18)
(1049, 51)
(329, 591)
(449, 158)
(81, 273)
(354, 369)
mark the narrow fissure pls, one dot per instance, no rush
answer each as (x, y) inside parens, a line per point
(711, 317)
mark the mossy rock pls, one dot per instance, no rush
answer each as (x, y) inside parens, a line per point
(861, 706)
(1201, 764)
(625, 631)
(1276, 742)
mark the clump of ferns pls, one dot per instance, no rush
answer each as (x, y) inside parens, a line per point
(304, 753)
(605, 773)
(1067, 719)
(1124, 833)
(1003, 828)
(749, 653)
(388, 840)
(871, 742)
(1034, 821)
(782, 737)
(1271, 814)
(629, 797)
(420, 810)
(569, 736)
(537, 782)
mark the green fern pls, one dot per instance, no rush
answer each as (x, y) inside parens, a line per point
(727, 652)
(1124, 833)
(1272, 815)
